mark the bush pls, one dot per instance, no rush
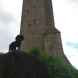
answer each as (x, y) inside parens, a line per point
(34, 51)
(57, 69)
(56, 66)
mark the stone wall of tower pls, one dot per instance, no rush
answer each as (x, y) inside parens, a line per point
(52, 44)
(37, 27)
(37, 19)
(35, 22)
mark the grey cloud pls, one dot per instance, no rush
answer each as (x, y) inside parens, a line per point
(73, 1)
(5, 24)
(72, 44)
(6, 18)
(7, 21)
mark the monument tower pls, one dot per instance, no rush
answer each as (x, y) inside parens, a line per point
(38, 29)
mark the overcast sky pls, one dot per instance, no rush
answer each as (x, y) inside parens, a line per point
(66, 20)
(10, 17)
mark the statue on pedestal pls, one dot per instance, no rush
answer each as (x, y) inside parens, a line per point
(15, 45)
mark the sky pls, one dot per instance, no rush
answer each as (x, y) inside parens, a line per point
(65, 16)
(10, 17)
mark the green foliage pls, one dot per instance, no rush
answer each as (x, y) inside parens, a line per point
(57, 69)
(38, 53)
(34, 51)
(56, 66)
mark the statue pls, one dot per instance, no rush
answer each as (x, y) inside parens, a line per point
(15, 45)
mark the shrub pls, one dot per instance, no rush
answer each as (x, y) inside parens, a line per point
(56, 66)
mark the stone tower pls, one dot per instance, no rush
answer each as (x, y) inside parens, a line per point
(38, 27)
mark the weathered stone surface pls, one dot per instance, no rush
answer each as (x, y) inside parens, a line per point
(37, 27)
